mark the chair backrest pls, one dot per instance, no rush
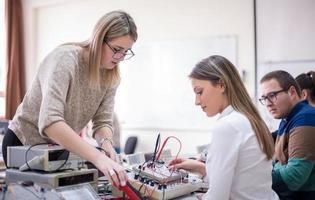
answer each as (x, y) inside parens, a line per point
(130, 145)
(3, 126)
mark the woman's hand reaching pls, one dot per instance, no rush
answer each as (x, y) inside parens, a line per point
(115, 173)
(109, 150)
(188, 165)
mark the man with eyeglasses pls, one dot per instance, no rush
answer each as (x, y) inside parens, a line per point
(293, 174)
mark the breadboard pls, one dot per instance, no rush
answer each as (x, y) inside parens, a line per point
(172, 190)
(159, 173)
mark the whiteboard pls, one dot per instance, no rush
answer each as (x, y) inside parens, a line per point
(155, 90)
(293, 67)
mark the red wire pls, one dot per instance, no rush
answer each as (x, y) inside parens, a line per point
(164, 143)
(129, 192)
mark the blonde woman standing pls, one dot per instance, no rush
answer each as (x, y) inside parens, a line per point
(75, 83)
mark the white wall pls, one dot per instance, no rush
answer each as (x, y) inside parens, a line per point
(285, 37)
(52, 22)
(286, 31)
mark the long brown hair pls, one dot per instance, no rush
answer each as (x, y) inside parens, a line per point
(219, 69)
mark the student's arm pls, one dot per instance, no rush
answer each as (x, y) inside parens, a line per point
(189, 165)
(103, 122)
(300, 164)
(62, 134)
(224, 152)
(104, 137)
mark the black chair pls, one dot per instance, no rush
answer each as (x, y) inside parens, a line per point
(130, 145)
(3, 126)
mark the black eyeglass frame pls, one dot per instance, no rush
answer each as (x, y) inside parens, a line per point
(123, 55)
(263, 99)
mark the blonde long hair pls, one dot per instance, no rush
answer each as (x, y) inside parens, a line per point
(112, 25)
(218, 69)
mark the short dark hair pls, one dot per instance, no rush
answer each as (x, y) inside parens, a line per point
(284, 79)
(307, 81)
